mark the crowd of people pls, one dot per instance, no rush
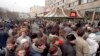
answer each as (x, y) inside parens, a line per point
(49, 38)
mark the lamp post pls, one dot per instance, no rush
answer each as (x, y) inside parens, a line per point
(36, 15)
(93, 15)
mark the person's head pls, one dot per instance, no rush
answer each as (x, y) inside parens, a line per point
(34, 37)
(40, 43)
(14, 33)
(71, 38)
(20, 51)
(23, 26)
(45, 38)
(56, 41)
(74, 28)
(1, 26)
(10, 43)
(90, 29)
(24, 43)
(24, 31)
(53, 50)
(62, 32)
(12, 27)
(41, 30)
(80, 32)
(26, 23)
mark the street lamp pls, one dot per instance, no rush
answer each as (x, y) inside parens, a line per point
(36, 15)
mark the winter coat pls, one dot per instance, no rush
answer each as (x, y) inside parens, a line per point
(81, 46)
(3, 38)
(6, 52)
(45, 52)
(35, 28)
(34, 51)
(59, 52)
(67, 49)
(93, 45)
(21, 37)
(27, 52)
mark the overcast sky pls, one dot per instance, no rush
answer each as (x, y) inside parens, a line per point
(21, 5)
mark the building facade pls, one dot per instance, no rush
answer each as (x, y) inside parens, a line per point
(84, 8)
(54, 7)
(37, 10)
(23, 15)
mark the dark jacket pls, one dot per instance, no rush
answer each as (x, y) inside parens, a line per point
(3, 38)
(67, 49)
(34, 53)
(45, 53)
(6, 52)
(27, 52)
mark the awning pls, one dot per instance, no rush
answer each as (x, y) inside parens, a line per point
(56, 12)
(61, 12)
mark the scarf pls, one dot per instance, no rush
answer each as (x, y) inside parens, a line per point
(37, 49)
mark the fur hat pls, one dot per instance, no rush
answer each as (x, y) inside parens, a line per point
(71, 37)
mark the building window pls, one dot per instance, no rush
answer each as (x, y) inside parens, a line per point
(58, 3)
(62, 6)
(79, 2)
(75, 3)
(67, 5)
(97, 9)
(91, 0)
(63, 1)
(71, 4)
(84, 1)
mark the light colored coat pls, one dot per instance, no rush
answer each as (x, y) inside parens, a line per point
(81, 46)
(93, 45)
(21, 37)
